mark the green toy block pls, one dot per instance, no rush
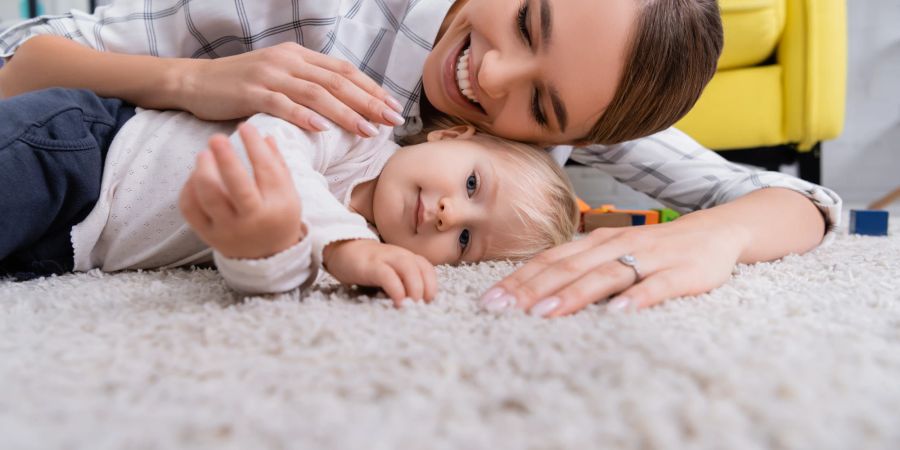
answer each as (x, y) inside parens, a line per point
(668, 215)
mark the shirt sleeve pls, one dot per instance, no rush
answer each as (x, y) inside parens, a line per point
(105, 29)
(676, 170)
(175, 28)
(327, 220)
(281, 272)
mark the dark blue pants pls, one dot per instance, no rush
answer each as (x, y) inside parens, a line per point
(52, 147)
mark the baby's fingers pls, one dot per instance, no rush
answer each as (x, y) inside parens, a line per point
(190, 209)
(429, 278)
(241, 189)
(390, 282)
(269, 168)
(208, 188)
(411, 275)
(273, 147)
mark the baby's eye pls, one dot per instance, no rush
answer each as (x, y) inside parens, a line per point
(471, 184)
(464, 240)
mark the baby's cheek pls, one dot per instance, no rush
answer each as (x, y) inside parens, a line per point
(436, 249)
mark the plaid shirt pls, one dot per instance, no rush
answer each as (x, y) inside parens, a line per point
(389, 41)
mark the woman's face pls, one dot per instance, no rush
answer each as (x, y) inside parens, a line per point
(539, 71)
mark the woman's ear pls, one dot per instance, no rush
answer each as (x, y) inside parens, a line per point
(583, 143)
(457, 132)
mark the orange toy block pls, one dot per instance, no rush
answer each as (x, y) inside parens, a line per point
(652, 216)
(592, 220)
(602, 209)
(582, 206)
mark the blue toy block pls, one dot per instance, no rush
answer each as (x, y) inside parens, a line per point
(869, 222)
(638, 219)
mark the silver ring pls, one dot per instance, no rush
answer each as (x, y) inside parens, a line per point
(630, 261)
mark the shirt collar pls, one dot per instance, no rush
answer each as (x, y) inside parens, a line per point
(414, 41)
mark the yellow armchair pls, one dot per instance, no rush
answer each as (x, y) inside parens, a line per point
(781, 84)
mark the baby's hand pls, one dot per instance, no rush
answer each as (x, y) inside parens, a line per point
(400, 272)
(238, 216)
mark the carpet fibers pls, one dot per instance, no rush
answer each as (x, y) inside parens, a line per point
(803, 353)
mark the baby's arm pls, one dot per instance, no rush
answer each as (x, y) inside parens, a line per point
(243, 218)
(254, 225)
(400, 272)
(261, 250)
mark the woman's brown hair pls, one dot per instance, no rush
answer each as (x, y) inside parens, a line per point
(673, 56)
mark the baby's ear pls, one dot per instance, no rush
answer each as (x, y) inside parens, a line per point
(457, 132)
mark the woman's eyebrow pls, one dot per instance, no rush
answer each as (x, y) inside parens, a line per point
(546, 22)
(559, 108)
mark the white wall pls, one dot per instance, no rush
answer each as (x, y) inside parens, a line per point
(10, 10)
(864, 163)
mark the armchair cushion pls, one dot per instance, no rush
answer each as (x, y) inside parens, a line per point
(781, 77)
(753, 29)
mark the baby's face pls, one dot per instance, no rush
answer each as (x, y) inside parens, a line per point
(540, 71)
(447, 200)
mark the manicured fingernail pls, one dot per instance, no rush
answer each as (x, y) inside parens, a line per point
(492, 294)
(319, 123)
(393, 103)
(620, 305)
(500, 304)
(393, 117)
(545, 306)
(367, 128)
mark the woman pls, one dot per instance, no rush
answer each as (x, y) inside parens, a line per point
(545, 71)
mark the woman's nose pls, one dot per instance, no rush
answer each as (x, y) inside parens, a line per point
(500, 73)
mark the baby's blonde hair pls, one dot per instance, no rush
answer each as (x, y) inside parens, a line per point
(545, 204)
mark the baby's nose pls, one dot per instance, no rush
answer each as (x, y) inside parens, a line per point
(446, 214)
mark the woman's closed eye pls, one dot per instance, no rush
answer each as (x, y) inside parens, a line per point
(537, 112)
(522, 23)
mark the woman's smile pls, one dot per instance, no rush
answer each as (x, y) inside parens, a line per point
(453, 84)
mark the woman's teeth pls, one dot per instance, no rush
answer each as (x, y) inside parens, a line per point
(462, 76)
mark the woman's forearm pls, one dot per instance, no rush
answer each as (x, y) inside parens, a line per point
(54, 61)
(772, 223)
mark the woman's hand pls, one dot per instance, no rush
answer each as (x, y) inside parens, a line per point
(291, 82)
(238, 216)
(400, 272)
(674, 259)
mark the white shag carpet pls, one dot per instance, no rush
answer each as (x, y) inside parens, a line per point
(803, 353)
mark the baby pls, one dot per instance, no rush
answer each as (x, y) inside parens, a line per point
(369, 212)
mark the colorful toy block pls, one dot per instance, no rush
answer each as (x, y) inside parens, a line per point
(607, 215)
(869, 222)
(582, 205)
(650, 217)
(606, 220)
(668, 215)
(602, 209)
(637, 219)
